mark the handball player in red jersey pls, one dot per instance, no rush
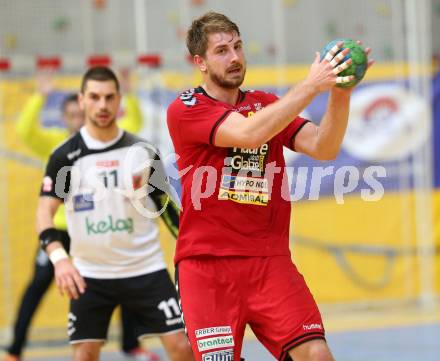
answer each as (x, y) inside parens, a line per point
(233, 264)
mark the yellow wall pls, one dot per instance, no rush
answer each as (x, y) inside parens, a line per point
(324, 229)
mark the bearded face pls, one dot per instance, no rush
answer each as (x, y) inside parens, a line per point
(224, 62)
(230, 78)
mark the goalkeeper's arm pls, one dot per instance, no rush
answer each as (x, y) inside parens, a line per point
(132, 121)
(39, 139)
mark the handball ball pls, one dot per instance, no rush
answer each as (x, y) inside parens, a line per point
(358, 67)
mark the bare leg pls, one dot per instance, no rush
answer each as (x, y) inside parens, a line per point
(314, 350)
(177, 346)
(87, 351)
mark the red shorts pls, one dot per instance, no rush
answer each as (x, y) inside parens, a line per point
(220, 295)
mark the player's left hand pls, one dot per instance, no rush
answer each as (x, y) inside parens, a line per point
(369, 64)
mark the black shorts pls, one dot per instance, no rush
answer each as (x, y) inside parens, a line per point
(151, 298)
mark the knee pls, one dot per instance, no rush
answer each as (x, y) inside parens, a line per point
(312, 351)
(320, 354)
(86, 351)
(180, 350)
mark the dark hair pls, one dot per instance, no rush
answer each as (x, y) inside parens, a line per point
(99, 73)
(210, 23)
(70, 98)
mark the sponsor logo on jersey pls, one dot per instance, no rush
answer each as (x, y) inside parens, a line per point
(243, 108)
(109, 226)
(137, 181)
(210, 331)
(240, 186)
(244, 183)
(223, 355)
(245, 197)
(249, 160)
(215, 342)
(83, 202)
(188, 98)
(74, 154)
(107, 163)
(245, 190)
(312, 326)
(47, 184)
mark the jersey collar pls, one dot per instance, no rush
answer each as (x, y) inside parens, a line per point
(241, 95)
(93, 143)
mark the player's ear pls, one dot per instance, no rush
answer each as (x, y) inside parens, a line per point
(200, 62)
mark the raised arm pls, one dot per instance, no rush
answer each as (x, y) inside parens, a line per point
(323, 142)
(132, 121)
(239, 131)
(39, 139)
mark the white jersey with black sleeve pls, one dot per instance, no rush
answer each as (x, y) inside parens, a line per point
(110, 215)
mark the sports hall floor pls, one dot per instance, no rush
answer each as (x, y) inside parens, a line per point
(391, 334)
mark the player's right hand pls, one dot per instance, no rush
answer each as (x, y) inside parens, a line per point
(68, 279)
(324, 74)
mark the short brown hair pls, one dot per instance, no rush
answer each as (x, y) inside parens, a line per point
(210, 23)
(99, 73)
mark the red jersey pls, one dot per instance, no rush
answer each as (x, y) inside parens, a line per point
(235, 200)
